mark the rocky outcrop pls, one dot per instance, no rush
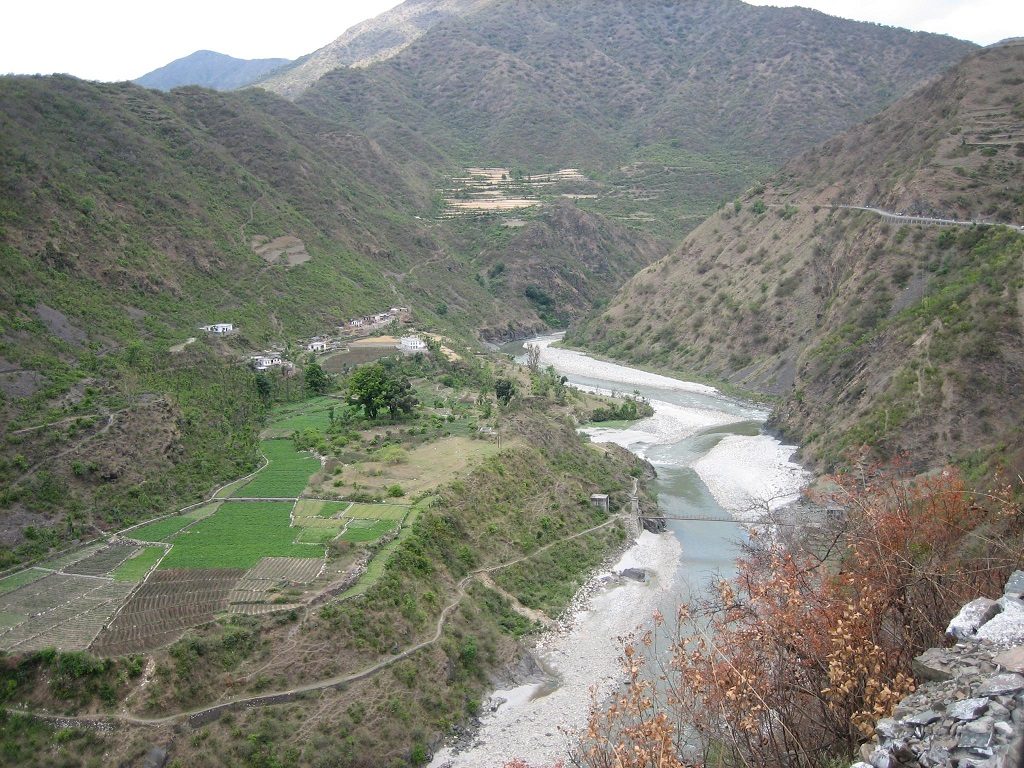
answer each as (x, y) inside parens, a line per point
(969, 709)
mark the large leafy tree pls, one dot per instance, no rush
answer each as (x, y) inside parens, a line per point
(374, 388)
(317, 380)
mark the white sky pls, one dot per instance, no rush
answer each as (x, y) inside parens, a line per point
(123, 39)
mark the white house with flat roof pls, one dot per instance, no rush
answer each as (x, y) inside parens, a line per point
(317, 346)
(219, 328)
(412, 344)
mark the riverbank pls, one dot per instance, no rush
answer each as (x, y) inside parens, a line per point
(695, 433)
(537, 722)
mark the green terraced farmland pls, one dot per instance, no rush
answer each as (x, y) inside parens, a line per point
(239, 535)
(311, 508)
(363, 531)
(310, 415)
(136, 568)
(15, 580)
(161, 530)
(377, 512)
(285, 475)
(316, 535)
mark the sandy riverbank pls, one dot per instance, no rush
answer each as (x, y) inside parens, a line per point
(583, 653)
(751, 475)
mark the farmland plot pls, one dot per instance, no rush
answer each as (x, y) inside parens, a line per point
(165, 606)
(61, 611)
(364, 531)
(239, 535)
(104, 561)
(262, 588)
(285, 476)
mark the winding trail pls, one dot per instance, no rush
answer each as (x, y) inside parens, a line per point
(202, 715)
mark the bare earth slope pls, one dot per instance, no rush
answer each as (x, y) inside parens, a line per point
(895, 336)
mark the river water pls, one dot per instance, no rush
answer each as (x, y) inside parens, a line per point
(713, 461)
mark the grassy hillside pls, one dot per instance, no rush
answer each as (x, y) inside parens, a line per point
(899, 337)
(675, 105)
(128, 218)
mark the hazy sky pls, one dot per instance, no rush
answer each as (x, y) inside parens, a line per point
(123, 39)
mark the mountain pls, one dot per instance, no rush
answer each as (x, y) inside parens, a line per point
(369, 41)
(210, 70)
(872, 331)
(131, 217)
(673, 105)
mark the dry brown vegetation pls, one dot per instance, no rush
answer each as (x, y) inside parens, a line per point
(802, 651)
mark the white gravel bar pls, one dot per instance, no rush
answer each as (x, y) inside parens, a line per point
(749, 475)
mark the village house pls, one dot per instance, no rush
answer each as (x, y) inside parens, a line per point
(317, 346)
(265, 362)
(412, 344)
(219, 328)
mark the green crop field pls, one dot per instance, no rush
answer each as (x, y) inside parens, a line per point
(161, 530)
(238, 536)
(377, 512)
(311, 508)
(15, 580)
(136, 568)
(363, 531)
(316, 535)
(313, 414)
(286, 474)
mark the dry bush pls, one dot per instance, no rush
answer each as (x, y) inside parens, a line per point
(798, 655)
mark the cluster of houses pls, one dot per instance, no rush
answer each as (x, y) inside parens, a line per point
(401, 314)
(320, 344)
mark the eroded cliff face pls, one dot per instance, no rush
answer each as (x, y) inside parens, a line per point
(871, 330)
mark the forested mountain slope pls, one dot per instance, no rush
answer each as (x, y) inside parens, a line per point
(898, 336)
(673, 104)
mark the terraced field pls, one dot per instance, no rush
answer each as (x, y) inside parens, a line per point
(230, 555)
(364, 531)
(286, 475)
(59, 610)
(238, 536)
(313, 414)
(165, 606)
(137, 567)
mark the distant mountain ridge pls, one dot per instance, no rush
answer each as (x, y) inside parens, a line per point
(872, 332)
(210, 69)
(370, 41)
(676, 105)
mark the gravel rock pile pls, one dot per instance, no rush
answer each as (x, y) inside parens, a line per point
(968, 711)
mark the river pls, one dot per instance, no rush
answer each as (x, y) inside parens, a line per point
(712, 460)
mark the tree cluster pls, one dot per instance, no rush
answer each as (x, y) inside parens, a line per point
(376, 388)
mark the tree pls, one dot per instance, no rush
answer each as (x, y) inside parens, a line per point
(374, 388)
(533, 357)
(263, 387)
(505, 389)
(316, 380)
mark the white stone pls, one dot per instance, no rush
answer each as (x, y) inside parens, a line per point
(1007, 628)
(972, 616)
